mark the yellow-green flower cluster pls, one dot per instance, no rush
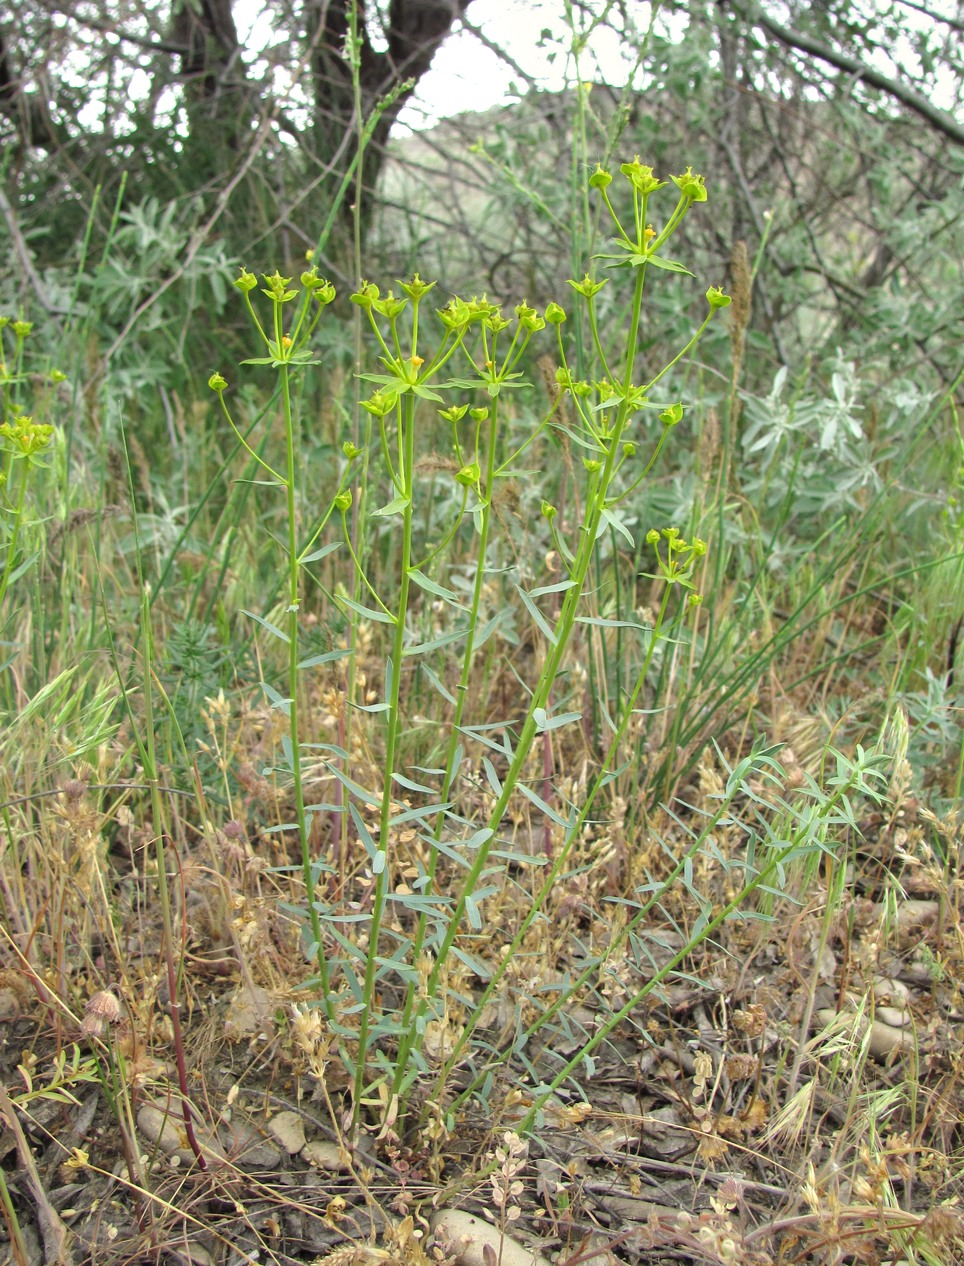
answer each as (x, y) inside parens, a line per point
(24, 437)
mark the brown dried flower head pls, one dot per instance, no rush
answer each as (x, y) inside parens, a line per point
(103, 1009)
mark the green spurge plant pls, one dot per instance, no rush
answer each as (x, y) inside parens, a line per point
(384, 961)
(25, 443)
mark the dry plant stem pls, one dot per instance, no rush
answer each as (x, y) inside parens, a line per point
(163, 889)
(128, 1132)
(807, 1016)
(56, 1236)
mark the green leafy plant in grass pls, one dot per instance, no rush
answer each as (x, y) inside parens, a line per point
(385, 990)
(25, 443)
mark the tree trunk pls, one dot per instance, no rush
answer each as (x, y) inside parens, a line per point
(416, 28)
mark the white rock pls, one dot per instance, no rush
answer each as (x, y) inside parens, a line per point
(288, 1131)
(883, 1041)
(323, 1155)
(465, 1236)
(896, 1017)
(890, 991)
(162, 1124)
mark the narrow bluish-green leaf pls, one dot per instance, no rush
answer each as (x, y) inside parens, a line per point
(395, 506)
(537, 615)
(560, 587)
(472, 963)
(272, 628)
(410, 785)
(477, 732)
(608, 519)
(439, 591)
(371, 848)
(276, 700)
(444, 639)
(369, 613)
(541, 805)
(326, 658)
(564, 718)
(437, 684)
(325, 550)
(422, 811)
(492, 777)
(356, 789)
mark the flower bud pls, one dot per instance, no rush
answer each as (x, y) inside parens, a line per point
(480, 308)
(495, 321)
(600, 178)
(555, 314)
(690, 186)
(366, 295)
(380, 404)
(717, 299)
(455, 316)
(469, 475)
(640, 176)
(416, 288)
(343, 501)
(587, 287)
(276, 288)
(454, 413)
(247, 281)
(217, 383)
(390, 307)
(671, 415)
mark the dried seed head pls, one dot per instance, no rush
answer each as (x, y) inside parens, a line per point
(73, 788)
(102, 1009)
(105, 1006)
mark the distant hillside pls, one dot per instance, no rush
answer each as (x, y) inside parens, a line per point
(479, 201)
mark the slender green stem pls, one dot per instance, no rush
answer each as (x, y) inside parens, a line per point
(359, 569)
(382, 867)
(573, 833)
(561, 635)
(294, 570)
(17, 1246)
(15, 533)
(409, 1037)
